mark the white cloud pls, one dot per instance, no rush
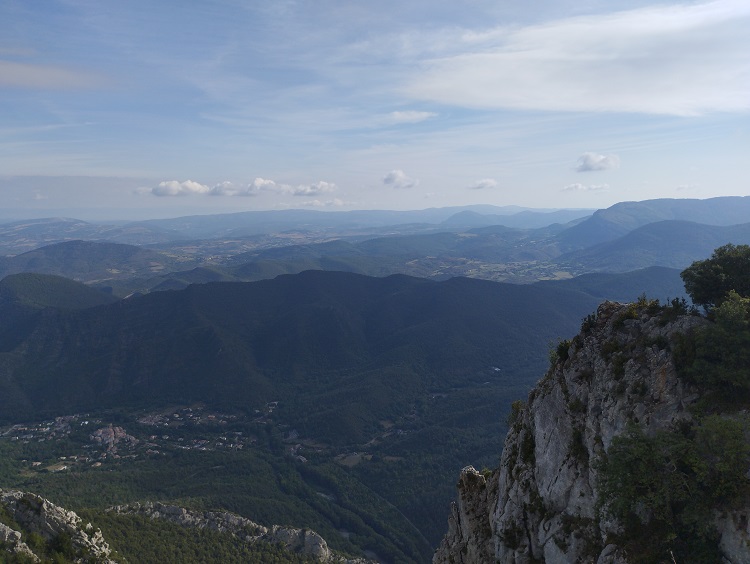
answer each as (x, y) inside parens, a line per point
(484, 184)
(578, 187)
(176, 188)
(315, 189)
(588, 162)
(399, 179)
(680, 59)
(410, 116)
(225, 188)
(265, 184)
(254, 188)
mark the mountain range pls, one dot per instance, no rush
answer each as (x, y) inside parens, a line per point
(627, 236)
(383, 348)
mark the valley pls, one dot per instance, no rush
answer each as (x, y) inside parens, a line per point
(326, 378)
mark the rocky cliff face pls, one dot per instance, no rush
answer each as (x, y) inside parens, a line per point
(540, 505)
(28, 513)
(301, 541)
(25, 516)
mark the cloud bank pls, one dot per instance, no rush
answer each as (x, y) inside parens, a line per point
(170, 188)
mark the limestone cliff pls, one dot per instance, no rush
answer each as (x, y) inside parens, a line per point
(26, 517)
(540, 505)
(64, 530)
(301, 541)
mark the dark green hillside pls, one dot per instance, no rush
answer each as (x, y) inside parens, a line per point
(23, 296)
(199, 275)
(46, 290)
(89, 261)
(674, 244)
(245, 344)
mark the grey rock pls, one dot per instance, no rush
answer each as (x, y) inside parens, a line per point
(542, 502)
(301, 541)
(37, 515)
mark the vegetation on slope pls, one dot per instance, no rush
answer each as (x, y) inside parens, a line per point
(47, 290)
(666, 489)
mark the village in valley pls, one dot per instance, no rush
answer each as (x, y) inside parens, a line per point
(86, 441)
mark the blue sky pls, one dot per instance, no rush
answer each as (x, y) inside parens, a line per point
(161, 108)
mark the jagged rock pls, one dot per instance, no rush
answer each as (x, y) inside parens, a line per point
(469, 534)
(11, 540)
(302, 541)
(542, 504)
(35, 514)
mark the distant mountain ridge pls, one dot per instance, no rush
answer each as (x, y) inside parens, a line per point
(672, 243)
(20, 236)
(463, 242)
(617, 220)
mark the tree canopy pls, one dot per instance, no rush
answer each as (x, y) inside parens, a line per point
(708, 282)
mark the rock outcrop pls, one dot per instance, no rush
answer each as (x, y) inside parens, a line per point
(540, 505)
(301, 541)
(30, 513)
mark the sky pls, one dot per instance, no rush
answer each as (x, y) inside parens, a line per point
(161, 108)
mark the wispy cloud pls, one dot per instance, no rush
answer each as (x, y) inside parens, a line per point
(44, 77)
(333, 203)
(228, 188)
(589, 162)
(411, 116)
(484, 184)
(683, 59)
(399, 179)
(578, 187)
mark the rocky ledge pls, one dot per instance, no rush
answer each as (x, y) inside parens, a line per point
(27, 513)
(301, 541)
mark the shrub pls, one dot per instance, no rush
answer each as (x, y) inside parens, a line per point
(718, 356)
(709, 281)
(664, 489)
(515, 412)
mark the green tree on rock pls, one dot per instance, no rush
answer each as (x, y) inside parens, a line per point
(708, 282)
